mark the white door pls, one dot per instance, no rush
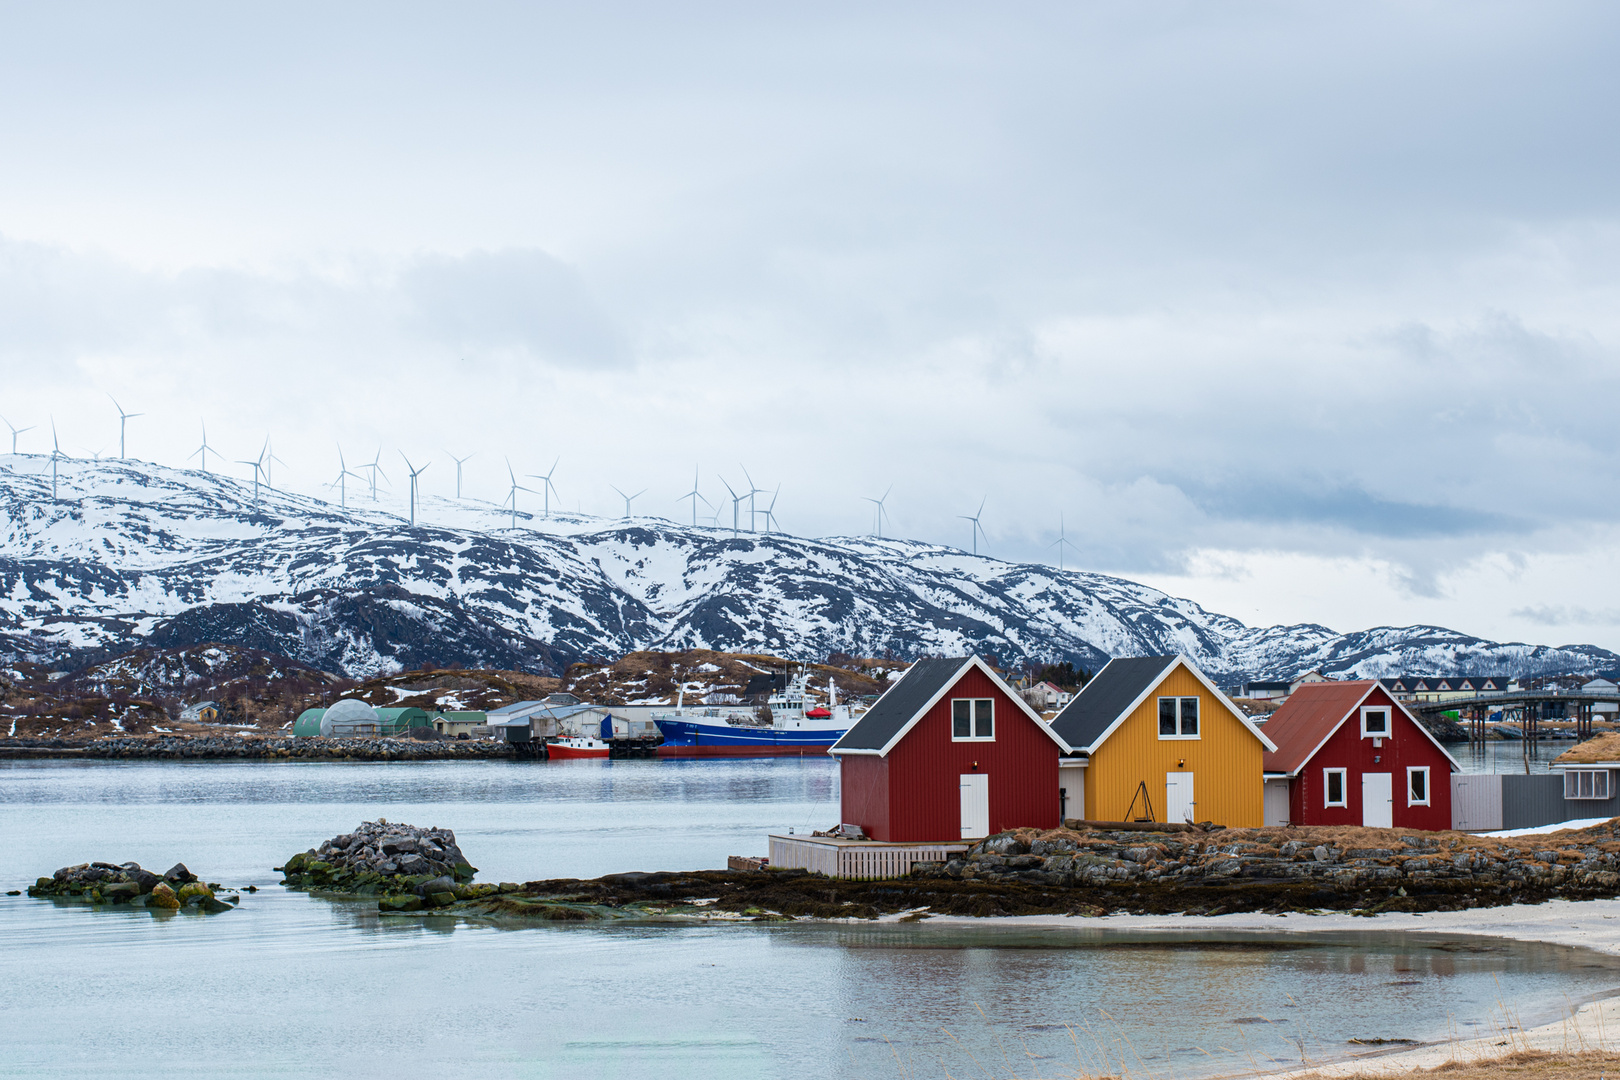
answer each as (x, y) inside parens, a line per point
(975, 806)
(1178, 797)
(1378, 800)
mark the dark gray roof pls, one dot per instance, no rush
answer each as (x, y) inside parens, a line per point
(899, 704)
(1109, 693)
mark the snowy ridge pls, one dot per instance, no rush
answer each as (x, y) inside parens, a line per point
(133, 554)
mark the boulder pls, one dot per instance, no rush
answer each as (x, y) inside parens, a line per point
(192, 892)
(400, 903)
(163, 897)
(179, 875)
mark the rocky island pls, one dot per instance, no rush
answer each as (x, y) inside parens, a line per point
(407, 867)
(130, 883)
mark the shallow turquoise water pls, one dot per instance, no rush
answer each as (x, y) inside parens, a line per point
(289, 986)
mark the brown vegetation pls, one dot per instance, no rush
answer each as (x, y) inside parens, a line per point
(651, 677)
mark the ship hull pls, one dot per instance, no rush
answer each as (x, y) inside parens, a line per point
(683, 738)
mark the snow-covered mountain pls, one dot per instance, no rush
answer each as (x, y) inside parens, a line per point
(131, 554)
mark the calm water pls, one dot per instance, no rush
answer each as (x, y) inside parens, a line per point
(288, 986)
(1507, 756)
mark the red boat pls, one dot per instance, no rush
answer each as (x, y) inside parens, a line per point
(579, 747)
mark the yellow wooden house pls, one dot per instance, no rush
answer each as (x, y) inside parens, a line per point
(1150, 738)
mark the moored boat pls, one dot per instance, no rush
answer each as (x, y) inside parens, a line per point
(793, 727)
(578, 746)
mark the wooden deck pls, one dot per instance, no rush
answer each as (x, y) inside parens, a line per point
(863, 860)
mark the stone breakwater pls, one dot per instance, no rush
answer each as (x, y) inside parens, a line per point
(130, 883)
(1363, 869)
(409, 868)
(303, 749)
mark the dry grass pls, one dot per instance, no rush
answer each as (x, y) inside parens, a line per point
(1532, 1064)
(1592, 751)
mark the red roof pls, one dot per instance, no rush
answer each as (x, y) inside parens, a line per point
(1306, 720)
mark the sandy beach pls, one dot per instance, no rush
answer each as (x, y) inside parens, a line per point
(1591, 924)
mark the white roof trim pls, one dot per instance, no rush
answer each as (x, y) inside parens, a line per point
(971, 662)
(1154, 685)
(1377, 684)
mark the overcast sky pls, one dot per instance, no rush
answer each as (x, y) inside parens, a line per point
(1305, 311)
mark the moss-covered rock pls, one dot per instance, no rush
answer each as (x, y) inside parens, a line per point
(407, 902)
(163, 897)
(192, 892)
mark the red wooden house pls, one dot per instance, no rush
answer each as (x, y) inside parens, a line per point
(949, 752)
(1348, 753)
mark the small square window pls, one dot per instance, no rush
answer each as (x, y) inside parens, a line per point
(1375, 723)
(1333, 787)
(1178, 718)
(973, 720)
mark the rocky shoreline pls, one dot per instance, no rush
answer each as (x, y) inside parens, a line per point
(281, 748)
(1097, 872)
(129, 883)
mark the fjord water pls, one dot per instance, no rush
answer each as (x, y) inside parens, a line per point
(290, 986)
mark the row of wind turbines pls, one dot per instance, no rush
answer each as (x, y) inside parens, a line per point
(749, 491)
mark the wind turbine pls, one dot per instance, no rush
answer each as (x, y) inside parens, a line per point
(375, 469)
(16, 431)
(1061, 542)
(770, 511)
(460, 461)
(547, 488)
(736, 501)
(752, 491)
(204, 449)
(977, 528)
(341, 482)
(269, 456)
(258, 464)
(695, 495)
(415, 472)
(516, 487)
(123, 418)
(627, 499)
(881, 512)
(56, 455)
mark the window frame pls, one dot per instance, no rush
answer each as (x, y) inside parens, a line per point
(1428, 786)
(1575, 775)
(1344, 789)
(1389, 721)
(973, 719)
(1181, 724)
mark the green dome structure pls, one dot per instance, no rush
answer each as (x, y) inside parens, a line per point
(308, 723)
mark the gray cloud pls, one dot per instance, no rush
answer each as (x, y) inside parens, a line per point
(1568, 615)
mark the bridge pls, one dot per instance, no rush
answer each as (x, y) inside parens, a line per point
(1477, 707)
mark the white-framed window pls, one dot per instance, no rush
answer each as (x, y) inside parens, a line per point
(1333, 787)
(973, 719)
(1586, 783)
(1375, 721)
(1417, 785)
(1178, 718)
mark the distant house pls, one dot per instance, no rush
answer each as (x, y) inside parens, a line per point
(1045, 695)
(203, 712)
(1150, 738)
(1427, 688)
(1313, 676)
(1348, 753)
(1264, 691)
(949, 753)
(460, 723)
